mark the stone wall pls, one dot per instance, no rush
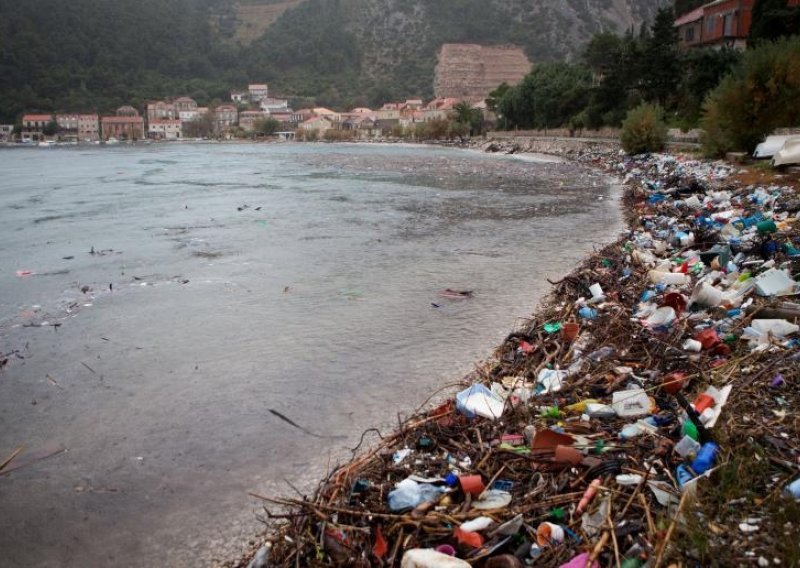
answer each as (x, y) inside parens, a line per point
(471, 71)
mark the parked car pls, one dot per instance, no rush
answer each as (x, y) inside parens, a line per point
(770, 146)
(788, 155)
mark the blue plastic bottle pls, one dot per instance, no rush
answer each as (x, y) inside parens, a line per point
(705, 458)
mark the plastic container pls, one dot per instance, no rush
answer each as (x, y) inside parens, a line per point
(596, 291)
(702, 402)
(587, 313)
(627, 403)
(687, 447)
(472, 484)
(427, 558)
(706, 458)
(707, 295)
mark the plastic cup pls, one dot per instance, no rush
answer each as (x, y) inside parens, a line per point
(706, 295)
(568, 454)
(693, 346)
(570, 331)
(596, 290)
(472, 484)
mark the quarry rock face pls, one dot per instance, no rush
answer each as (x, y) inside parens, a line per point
(471, 71)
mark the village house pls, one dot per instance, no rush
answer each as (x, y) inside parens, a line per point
(125, 125)
(286, 119)
(361, 123)
(165, 129)
(257, 92)
(718, 24)
(239, 96)
(67, 123)
(270, 105)
(331, 115)
(248, 119)
(439, 109)
(88, 127)
(33, 126)
(225, 117)
(300, 116)
(410, 118)
(389, 111)
(185, 109)
(160, 110)
(6, 132)
(320, 124)
(412, 105)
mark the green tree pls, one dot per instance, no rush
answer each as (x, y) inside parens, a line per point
(201, 127)
(662, 59)
(644, 130)
(50, 128)
(471, 118)
(759, 96)
(266, 126)
(548, 97)
(772, 19)
(703, 69)
(494, 98)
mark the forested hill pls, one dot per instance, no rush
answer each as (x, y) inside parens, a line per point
(98, 54)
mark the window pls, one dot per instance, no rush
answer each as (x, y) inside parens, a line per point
(728, 23)
(710, 26)
(690, 34)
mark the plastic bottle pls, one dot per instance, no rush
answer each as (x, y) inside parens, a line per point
(683, 474)
(689, 429)
(705, 458)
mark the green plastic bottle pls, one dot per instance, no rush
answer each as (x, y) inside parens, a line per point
(689, 429)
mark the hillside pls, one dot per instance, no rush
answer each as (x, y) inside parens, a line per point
(88, 54)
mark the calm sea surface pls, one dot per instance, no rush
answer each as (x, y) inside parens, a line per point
(228, 280)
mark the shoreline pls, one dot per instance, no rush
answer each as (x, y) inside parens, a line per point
(638, 355)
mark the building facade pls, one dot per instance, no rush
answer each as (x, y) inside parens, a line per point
(122, 127)
(225, 117)
(6, 132)
(717, 24)
(249, 118)
(164, 129)
(88, 128)
(257, 92)
(33, 127)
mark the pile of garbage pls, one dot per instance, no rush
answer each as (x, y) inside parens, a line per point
(646, 413)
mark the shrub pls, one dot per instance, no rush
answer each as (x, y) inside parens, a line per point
(332, 135)
(758, 97)
(644, 130)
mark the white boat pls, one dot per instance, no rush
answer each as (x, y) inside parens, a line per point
(770, 146)
(47, 143)
(112, 140)
(790, 153)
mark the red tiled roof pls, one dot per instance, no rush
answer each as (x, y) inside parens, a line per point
(37, 117)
